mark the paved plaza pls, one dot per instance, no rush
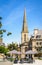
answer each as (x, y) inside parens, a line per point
(6, 63)
(37, 62)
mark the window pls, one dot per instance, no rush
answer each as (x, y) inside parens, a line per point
(26, 49)
(38, 49)
(32, 36)
(38, 36)
(40, 43)
(37, 43)
(25, 37)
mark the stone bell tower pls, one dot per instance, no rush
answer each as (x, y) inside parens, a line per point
(24, 36)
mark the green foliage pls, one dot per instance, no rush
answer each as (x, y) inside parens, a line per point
(6, 50)
(9, 33)
(12, 46)
(3, 49)
(11, 59)
(0, 17)
(0, 24)
(2, 31)
(40, 58)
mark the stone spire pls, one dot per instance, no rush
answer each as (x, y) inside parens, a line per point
(24, 29)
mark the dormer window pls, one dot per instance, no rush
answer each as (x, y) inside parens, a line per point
(32, 36)
(38, 36)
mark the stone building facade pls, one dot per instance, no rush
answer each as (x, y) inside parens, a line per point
(37, 41)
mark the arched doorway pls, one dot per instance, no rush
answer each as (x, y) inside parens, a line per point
(26, 49)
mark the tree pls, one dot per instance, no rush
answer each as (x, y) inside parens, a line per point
(3, 49)
(2, 31)
(13, 46)
(0, 24)
(9, 33)
(6, 50)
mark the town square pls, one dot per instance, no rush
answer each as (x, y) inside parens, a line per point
(20, 32)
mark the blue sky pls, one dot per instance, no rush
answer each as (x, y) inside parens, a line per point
(12, 12)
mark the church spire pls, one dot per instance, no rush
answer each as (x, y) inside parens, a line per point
(24, 29)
